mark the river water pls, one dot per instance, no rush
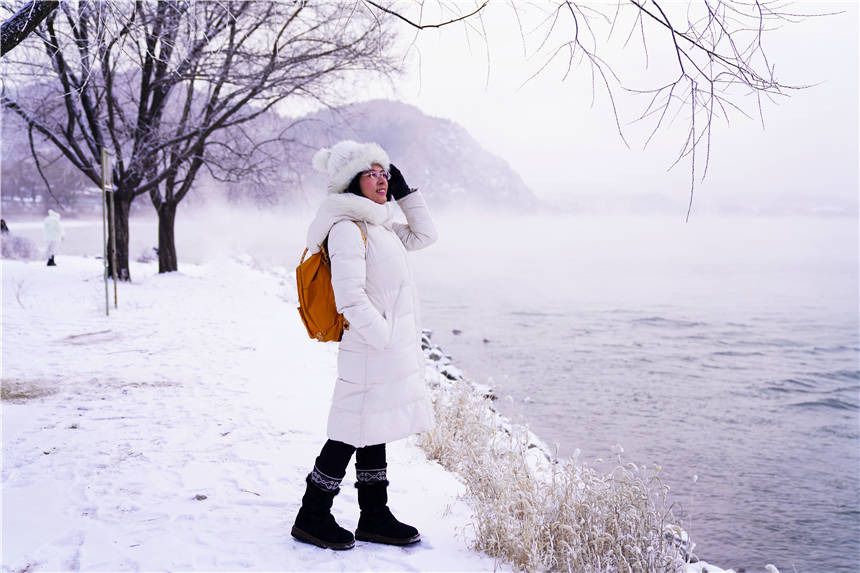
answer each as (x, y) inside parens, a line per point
(725, 351)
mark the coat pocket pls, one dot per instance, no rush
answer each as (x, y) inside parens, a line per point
(391, 316)
(352, 365)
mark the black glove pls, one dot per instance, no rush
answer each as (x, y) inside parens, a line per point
(397, 186)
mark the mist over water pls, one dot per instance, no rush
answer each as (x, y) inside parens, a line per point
(725, 350)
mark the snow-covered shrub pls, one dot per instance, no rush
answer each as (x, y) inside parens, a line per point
(18, 248)
(564, 516)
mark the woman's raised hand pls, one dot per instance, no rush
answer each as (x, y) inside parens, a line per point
(397, 184)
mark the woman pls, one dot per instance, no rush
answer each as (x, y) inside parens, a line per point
(379, 395)
(53, 235)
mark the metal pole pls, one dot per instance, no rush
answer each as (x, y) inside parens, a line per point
(113, 235)
(104, 229)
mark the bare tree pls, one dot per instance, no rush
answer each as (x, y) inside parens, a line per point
(23, 186)
(165, 87)
(714, 51)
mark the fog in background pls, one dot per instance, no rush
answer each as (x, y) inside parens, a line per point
(567, 148)
(644, 259)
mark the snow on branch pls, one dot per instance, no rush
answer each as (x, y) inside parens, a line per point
(21, 24)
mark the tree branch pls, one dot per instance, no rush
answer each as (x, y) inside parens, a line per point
(425, 26)
(20, 25)
(39, 167)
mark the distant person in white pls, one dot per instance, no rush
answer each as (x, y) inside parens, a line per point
(53, 235)
(380, 394)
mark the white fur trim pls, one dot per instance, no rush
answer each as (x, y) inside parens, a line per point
(320, 160)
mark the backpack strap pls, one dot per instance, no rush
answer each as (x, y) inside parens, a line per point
(324, 245)
(360, 230)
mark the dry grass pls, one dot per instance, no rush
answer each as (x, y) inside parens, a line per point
(549, 516)
(17, 391)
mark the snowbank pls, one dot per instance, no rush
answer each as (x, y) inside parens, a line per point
(176, 433)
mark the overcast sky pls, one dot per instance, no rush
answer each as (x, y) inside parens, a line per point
(550, 133)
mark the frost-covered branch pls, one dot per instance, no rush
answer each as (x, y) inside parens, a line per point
(21, 24)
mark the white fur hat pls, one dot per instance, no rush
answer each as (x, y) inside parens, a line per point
(346, 159)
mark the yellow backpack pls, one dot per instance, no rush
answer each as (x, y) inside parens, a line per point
(317, 307)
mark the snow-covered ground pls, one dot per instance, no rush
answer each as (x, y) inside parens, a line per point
(175, 434)
(201, 383)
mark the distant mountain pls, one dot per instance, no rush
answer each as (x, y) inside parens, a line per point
(436, 155)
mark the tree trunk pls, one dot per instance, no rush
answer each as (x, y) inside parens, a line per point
(166, 238)
(122, 207)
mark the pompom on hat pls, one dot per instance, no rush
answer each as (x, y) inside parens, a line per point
(346, 159)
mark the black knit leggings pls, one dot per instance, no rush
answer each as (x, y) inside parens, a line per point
(335, 456)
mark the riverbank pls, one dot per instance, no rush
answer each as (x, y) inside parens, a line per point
(176, 433)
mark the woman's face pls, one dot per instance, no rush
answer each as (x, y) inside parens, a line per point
(374, 188)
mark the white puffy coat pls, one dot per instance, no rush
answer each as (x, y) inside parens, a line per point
(380, 394)
(52, 227)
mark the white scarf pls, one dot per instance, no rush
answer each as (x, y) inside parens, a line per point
(347, 207)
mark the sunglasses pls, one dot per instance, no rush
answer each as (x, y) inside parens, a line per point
(376, 174)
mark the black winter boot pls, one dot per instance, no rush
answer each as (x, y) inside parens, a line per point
(315, 524)
(51, 262)
(376, 523)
